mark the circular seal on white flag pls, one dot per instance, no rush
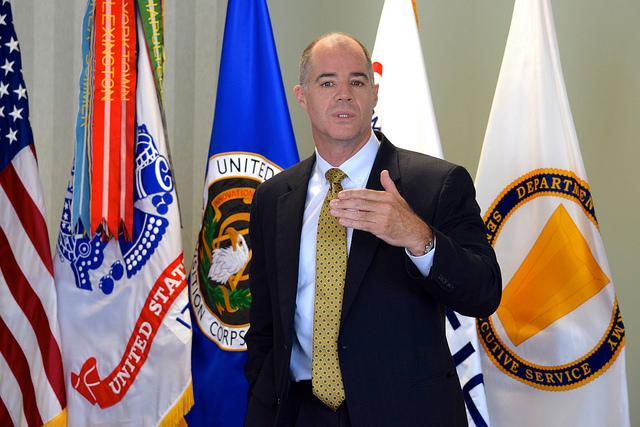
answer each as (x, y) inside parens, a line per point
(558, 325)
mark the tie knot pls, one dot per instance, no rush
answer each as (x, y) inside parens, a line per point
(335, 176)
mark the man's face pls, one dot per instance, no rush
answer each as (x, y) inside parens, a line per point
(338, 95)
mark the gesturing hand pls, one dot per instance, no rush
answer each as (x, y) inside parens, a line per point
(383, 213)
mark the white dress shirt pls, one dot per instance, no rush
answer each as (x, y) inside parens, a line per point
(358, 167)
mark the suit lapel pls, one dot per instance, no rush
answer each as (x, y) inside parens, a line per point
(365, 244)
(289, 214)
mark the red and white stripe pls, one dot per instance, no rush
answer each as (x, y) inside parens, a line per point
(32, 386)
(105, 179)
(113, 123)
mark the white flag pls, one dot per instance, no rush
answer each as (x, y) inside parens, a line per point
(405, 115)
(554, 351)
(404, 112)
(123, 304)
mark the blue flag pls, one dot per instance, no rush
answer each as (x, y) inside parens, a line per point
(252, 140)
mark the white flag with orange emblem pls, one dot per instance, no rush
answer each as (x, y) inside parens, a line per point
(553, 354)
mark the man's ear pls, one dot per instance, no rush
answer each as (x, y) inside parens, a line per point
(298, 91)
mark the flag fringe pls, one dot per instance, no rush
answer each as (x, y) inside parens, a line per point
(175, 415)
(59, 420)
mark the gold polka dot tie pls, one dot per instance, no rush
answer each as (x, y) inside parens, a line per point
(331, 268)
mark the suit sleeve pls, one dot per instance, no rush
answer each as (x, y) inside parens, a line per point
(259, 337)
(465, 275)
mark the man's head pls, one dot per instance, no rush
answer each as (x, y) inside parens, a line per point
(305, 59)
(337, 91)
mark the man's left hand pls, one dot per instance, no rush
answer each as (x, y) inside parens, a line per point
(383, 213)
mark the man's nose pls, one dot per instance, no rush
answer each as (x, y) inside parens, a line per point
(343, 92)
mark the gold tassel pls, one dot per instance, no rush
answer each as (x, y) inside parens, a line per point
(59, 420)
(175, 415)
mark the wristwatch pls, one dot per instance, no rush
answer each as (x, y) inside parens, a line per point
(427, 247)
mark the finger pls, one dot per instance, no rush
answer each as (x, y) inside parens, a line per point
(362, 194)
(354, 214)
(356, 225)
(387, 183)
(357, 204)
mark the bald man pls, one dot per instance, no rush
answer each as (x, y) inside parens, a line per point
(355, 253)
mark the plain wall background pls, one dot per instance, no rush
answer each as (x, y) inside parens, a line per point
(463, 42)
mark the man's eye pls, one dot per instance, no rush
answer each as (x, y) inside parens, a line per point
(357, 83)
(326, 84)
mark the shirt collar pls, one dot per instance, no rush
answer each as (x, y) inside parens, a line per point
(357, 167)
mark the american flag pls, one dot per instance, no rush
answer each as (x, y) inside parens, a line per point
(31, 376)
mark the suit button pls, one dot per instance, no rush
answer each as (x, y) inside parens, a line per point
(278, 401)
(447, 286)
(286, 347)
(344, 347)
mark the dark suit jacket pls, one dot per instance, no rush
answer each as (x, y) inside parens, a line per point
(396, 366)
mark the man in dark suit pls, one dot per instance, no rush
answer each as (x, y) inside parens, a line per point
(355, 253)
